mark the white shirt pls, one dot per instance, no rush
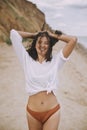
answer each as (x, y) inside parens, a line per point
(38, 76)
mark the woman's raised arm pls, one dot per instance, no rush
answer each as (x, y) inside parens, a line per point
(27, 34)
(70, 40)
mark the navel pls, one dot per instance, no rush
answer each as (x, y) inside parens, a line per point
(42, 102)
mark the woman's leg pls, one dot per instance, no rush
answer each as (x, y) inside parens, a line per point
(53, 122)
(33, 124)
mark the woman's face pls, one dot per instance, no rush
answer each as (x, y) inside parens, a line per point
(42, 46)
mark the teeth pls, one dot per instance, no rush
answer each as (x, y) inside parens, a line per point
(42, 49)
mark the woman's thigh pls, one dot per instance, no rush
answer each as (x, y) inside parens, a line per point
(53, 122)
(33, 124)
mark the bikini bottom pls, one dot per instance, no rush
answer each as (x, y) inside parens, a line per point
(43, 116)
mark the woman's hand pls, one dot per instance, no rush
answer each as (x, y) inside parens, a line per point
(52, 34)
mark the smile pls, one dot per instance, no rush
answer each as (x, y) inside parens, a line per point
(42, 49)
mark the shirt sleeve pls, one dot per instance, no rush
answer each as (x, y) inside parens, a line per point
(16, 40)
(60, 59)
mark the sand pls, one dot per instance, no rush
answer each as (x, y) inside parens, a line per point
(72, 93)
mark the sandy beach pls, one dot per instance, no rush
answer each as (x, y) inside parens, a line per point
(72, 93)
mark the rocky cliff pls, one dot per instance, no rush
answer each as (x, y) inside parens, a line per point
(20, 15)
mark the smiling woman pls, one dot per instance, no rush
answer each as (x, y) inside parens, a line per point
(42, 47)
(41, 69)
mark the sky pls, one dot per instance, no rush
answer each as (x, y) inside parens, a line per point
(69, 16)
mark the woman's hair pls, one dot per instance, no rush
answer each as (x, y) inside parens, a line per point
(32, 50)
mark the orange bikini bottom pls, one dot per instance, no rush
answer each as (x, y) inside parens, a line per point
(43, 116)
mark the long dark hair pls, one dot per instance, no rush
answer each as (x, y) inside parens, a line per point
(32, 50)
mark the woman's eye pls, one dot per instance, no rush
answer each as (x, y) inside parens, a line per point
(47, 43)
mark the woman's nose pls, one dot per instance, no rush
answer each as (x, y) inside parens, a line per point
(42, 44)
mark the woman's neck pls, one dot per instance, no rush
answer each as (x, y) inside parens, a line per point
(40, 58)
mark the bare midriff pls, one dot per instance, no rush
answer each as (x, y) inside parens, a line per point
(42, 101)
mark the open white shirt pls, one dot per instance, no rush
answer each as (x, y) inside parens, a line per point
(39, 76)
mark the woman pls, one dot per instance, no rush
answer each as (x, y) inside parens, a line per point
(41, 69)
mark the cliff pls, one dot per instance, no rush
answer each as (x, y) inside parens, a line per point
(21, 15)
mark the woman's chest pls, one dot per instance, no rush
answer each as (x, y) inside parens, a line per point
(40, 72)
(40, 69)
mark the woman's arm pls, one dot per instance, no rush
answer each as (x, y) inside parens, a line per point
(27, 34)
(70, 40)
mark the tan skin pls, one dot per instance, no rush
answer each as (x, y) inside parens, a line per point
(42, 101)
(42, 46)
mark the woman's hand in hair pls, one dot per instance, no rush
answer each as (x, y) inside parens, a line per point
(51, 34)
